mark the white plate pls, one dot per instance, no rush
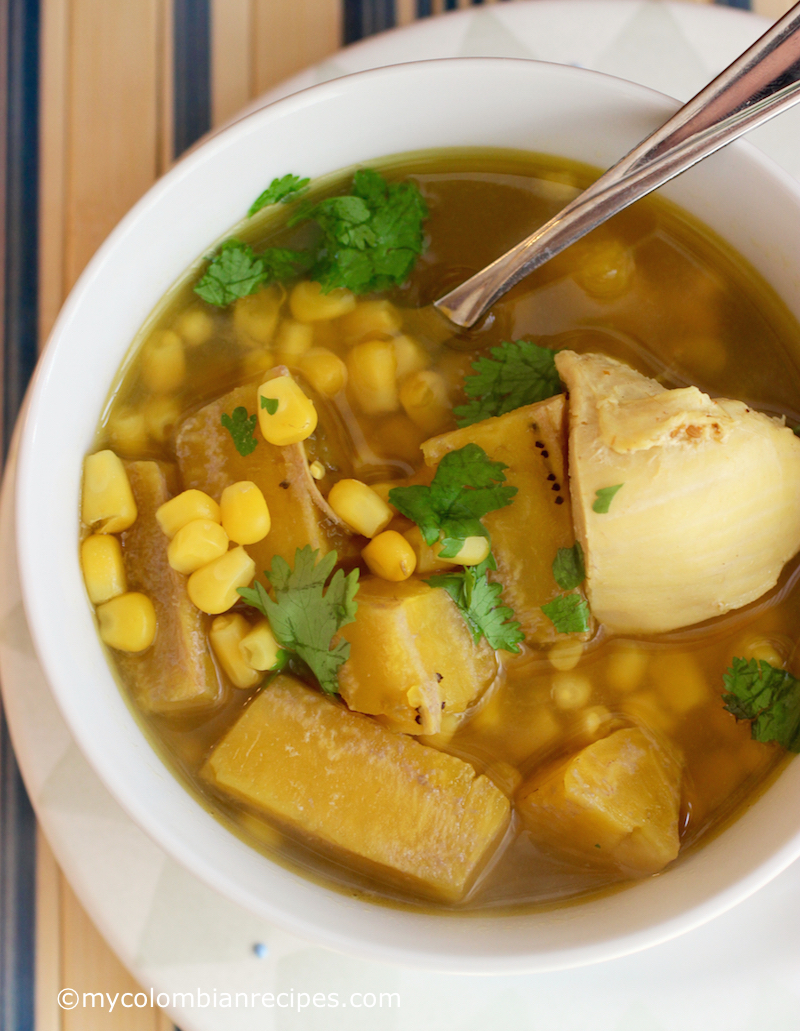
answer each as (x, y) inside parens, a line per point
(738, 973)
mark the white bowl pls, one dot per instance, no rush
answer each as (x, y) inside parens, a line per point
(455, 103)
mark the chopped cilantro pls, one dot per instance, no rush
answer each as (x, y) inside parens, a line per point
(270, 404)
(236, 271)
(569, 613)
(465, 488)
(241, 426)
(518, 373)
(569, 570)
(285, 190)
(604, 497)
(305, 620)
(768, 696)
(371, 238)
(478, 601)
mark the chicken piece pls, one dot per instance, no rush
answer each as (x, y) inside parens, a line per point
(177, 674)
(705, 513)
(344, 780)
(412, 657)
(208, 461)
(526, 534)
(614, 804)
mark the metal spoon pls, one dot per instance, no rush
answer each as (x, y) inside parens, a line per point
(761, 83)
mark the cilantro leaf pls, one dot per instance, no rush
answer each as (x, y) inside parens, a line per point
(603, 498)
(270, 404)
(518, 373)
(241, 427)
(569, 570)
(304, 620)
(371, 237)
(768, 696)
(285, 189)
(569, 613)
(478, 601)
(236, 271)
(281, 263)
(465, 488)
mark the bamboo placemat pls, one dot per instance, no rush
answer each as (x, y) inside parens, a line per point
(101, 96)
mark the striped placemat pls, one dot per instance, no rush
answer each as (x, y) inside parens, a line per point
(100, 97)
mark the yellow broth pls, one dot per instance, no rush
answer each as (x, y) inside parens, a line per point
(678, 305)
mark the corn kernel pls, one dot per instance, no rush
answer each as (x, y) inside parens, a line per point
(163, 362)
(425, 400)
(259, 647)
(390, 556)
(758, 646)
(593, 723)
(571, 690)
(161, 415)
(195, 545)
(680, 682)
(295, 417)
(606, 268)
(256, 316)
(372, 375)
(127, 431)
(225, 635)
(428, 560)
(360, 507)
(626, 667)
(472, 552)
(195, 327)
(107, 503)
(324, 370)
(103, 567)
(293, 340)
(411, 356)
(127, 622)
(317, 470)
(369, 320)
(245, 516)
(453, 366)
(565, 655)
(213, 588)
(257, 361)
(309, 304)
(185, 508)
(646, 708)
(326, 334)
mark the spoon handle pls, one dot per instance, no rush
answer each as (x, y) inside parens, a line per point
(759, 84)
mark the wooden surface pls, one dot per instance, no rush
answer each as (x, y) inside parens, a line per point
(106, 135)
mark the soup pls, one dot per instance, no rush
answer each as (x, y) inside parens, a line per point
(450, 690)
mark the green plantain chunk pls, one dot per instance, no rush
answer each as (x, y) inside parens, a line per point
(175, 675)
(412, 657)
(527, 534)
(208, 461)
(615, 804)
(344, 780)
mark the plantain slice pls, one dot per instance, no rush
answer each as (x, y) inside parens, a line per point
(209, 461)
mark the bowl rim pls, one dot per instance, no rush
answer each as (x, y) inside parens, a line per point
(31, 558)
